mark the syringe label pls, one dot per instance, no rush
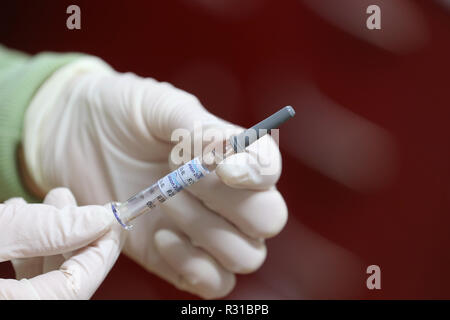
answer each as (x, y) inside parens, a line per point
(184, 176)
(191, 172)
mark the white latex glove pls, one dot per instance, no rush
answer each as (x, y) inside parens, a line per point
(34, 237)
(106, 136)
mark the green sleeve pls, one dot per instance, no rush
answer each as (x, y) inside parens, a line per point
(21, 76)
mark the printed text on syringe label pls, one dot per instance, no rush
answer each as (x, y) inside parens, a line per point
(152, 195)
(184, 176)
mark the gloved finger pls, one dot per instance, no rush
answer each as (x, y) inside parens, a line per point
(259, 214)
(78, 278)
(31, 267)
(42, 230)
(59, 198)
(234, 250)
(154, 263)
(167, 108)
(15, 201)
(140, 245)
(257, 169)
(150, 108)
(198, 272)
(28, 267)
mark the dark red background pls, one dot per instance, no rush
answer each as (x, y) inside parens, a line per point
(404, 228)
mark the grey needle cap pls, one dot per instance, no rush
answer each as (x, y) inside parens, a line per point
(246, 138)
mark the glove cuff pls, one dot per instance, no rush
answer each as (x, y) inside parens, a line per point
(46, 107)
(20, 78)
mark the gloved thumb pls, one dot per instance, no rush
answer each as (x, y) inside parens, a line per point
(30, 230)
(163, 107)
(147, 108)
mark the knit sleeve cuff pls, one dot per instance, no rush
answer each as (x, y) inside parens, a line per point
(18, 84)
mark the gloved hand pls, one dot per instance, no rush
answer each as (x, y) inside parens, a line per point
(35, 237)
(106, 136)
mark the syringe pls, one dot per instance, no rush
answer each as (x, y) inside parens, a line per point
(194, 170)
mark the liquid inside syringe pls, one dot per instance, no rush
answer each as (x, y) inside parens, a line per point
(192, 171)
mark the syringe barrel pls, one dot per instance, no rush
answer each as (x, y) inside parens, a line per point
(164, 189)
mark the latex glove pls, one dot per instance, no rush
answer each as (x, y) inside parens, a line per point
(30, 233)
(106, 136)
